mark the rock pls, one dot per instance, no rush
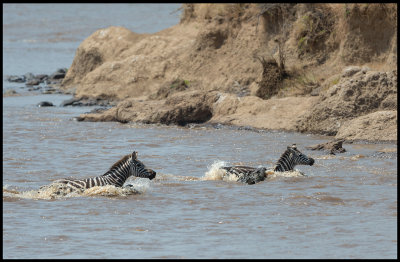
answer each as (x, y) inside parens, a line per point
(316, 91)
(41, 77)
(365, 69)
(33, 82)
(332, 147)
(70, 102)
(78, 119)
(351, 70)
(216, 48)
(44, 103)
(386, 155)
(97, 110)
(29, 76)
(87, 101)
(185, 108)
(169, 88)
(352, 97)
(59, 74)
(49, 90)
(34, 88)
(179, 109)
(203, 106)
(16, 79)
(379, 126)
(61, 71)
(10, 92)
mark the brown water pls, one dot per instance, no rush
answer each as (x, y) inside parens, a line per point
(346, 206)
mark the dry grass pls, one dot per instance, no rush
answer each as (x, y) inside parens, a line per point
(298, 82)
(209, 11)
(313, 29)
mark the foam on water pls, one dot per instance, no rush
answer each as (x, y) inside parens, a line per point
(215, 172)
(59, 191)
(294, 173)
(167, 177)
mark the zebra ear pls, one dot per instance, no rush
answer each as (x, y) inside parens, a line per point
(134, 155)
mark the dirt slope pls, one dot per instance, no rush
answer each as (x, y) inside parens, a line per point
(271, 66)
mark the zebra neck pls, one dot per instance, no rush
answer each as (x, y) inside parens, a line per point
(284, 164)
(118, 174)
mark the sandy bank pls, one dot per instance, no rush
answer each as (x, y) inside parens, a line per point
(320, 68)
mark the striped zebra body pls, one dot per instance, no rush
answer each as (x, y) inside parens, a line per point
(247, 174)
(128, 166)
(288, 160)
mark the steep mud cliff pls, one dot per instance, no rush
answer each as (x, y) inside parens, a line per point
(271, 66)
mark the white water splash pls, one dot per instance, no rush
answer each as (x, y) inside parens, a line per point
(141, 185)
(294, 173)
(215, 172)
(61, 191)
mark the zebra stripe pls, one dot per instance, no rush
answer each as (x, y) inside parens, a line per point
(127, 166)
(247, 174)
(292, 157)
(288, 160)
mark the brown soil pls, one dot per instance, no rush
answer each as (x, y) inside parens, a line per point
(207, 68)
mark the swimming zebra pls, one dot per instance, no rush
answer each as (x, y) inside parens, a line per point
(127, 166)
(288, 160)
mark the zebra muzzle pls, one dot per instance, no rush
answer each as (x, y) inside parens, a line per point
(152, 173)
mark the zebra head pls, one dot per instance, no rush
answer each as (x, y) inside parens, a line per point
(138, 169)
(292, 157)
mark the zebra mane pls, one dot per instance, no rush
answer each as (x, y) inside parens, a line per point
(120, 162)
(282, 156)
(287, 151)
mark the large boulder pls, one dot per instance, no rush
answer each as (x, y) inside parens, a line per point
(185, 108)
(272, 114)
(179, 109)
(379, 126)
(358, 93)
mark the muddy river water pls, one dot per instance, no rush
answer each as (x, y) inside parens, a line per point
(346, 206)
